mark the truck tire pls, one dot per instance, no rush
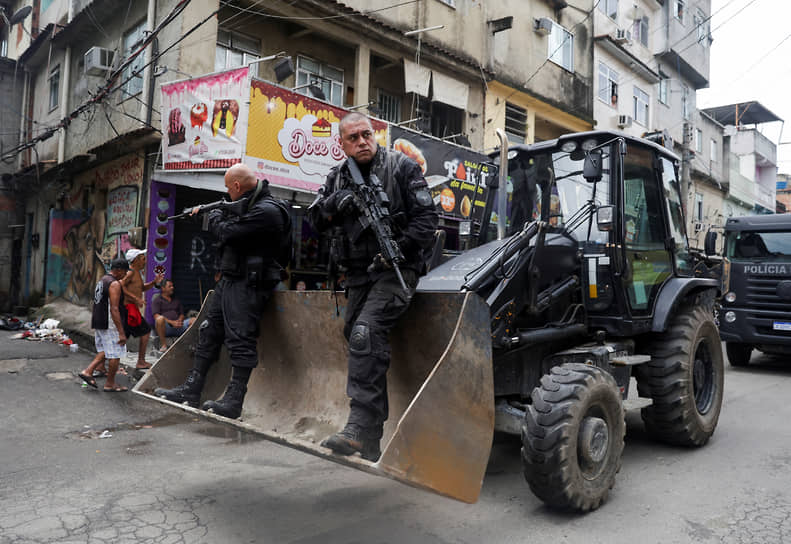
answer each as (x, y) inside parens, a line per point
(684, 379)
(572, 437)
(738, 354)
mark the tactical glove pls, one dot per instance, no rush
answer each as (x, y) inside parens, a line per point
(339, 203)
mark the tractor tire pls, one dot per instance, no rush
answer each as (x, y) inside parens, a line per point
(572, 437)
(684, 379)
(738, 354)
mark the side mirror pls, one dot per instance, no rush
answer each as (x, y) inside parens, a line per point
(605, 217)
(710, 243)
(592, 168)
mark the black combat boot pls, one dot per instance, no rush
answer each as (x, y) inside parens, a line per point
(187, 393)
(355, 438)
(230, 405)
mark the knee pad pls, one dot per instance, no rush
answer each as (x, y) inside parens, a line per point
(360, 339)
(205, 331)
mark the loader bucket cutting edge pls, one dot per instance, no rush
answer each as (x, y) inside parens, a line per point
(440, 386)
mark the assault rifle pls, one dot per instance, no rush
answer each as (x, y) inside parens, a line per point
(372, 200)
(236, 207)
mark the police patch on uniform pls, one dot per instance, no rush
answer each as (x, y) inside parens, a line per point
(424, 197)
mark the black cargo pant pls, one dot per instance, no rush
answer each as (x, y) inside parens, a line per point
(372, 311)
(233, 318)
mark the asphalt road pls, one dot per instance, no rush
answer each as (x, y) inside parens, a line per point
(164, 477)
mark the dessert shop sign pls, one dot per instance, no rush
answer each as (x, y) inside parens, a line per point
(293, 139)
(205, 121)
(458, 177)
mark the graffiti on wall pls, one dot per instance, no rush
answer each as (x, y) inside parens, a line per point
(75, 264)
(81, 240)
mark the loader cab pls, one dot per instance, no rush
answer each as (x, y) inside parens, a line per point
(622, 211)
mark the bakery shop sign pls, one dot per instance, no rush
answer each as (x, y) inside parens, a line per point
(457, 176)
(205, 121)
(293, 139)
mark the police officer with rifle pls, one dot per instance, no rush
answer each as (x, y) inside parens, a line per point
(382, 218)
(254, 231)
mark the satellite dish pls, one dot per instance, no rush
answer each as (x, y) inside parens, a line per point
(20, 15)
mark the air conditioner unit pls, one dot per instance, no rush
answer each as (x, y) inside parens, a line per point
(623, 121)
(542, 25)
(622, 36)
(98, 61)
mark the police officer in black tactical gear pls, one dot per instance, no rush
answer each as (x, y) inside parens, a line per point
(254, 232)
(376, 297)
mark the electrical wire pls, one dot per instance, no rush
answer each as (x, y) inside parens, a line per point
(361, 13)
(107, 89)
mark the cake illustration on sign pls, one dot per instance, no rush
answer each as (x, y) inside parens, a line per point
(321, 129)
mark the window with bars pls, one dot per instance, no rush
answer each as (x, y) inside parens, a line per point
(389, 107)
(640, 103)
(235, 51)
(561, 47)
(515, 123)
(438, 119)
(132, 41)
(328, 78)
(608, 85)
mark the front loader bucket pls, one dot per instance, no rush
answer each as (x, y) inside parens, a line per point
(440, 386)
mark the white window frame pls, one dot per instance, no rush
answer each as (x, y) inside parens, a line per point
(700, 26)
(640, 102)
(233, 45)
(607, 79)
(640, 30)
(560, 47)
(664, 90)
(699, 207)
(713, 150)
(698, 140)
(132, 40)
(679, 9)
(53, 80)
(609, 8)
(333, 88)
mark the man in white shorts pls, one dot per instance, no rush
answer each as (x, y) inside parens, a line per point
(107, 321)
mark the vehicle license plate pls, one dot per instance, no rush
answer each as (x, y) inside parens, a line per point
(781, 326)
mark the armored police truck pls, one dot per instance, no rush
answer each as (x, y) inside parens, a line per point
(756, 308)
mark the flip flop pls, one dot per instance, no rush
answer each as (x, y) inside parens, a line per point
(146, 366)
(89, 380)
(99, 374)
(116, 389)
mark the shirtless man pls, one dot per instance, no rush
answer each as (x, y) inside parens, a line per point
(133, 286)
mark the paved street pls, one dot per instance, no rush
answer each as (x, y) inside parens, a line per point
(165, 477)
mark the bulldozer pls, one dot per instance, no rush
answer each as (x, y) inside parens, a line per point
(579, 282)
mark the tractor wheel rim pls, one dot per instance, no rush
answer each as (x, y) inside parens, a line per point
(703, 378)
(593, 445)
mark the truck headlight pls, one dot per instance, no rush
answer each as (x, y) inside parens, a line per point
(730, 317)
(730, 297)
